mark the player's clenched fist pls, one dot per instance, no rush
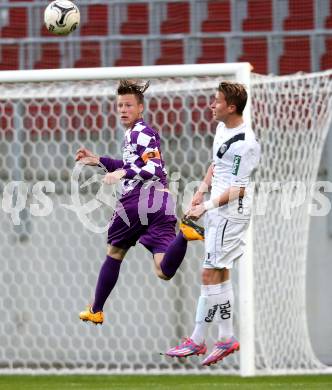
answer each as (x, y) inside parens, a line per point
(85, 156)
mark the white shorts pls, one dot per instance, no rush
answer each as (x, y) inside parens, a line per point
(224, 240)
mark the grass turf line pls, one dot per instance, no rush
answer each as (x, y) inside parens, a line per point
(164, 382)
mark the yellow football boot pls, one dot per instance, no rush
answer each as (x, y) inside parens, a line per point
(89, 315)
(191, 230)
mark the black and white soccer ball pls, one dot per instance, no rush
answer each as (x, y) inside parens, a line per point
(61, 17)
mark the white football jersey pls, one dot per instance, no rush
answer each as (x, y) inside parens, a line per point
(236, 154)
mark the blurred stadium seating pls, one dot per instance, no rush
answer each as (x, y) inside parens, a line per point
(218, 18)
(274, 35)
(259, 16)
(301, 15)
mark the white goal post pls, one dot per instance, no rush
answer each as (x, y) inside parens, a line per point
(50, 261)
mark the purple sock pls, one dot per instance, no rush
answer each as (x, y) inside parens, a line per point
(174, 255)
(108, 276)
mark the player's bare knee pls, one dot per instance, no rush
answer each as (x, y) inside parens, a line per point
(158, 258)
(214, 276)
(160, 273)
(162, 276)
(224, 275)
(206, 276)
(115, 252)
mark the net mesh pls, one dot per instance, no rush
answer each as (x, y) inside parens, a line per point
(50, 263)
(291, 117)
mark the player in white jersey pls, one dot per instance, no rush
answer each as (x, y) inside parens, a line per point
(236, 154)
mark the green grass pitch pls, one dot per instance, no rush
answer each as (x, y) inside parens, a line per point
(183, 382)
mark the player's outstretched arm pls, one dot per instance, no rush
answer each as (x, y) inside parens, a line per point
(111, 164)
(85, 156)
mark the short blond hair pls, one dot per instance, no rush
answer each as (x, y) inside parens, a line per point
(235, 93)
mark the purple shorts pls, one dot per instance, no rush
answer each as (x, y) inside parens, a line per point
(144, 215)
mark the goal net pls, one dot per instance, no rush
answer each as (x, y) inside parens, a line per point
(291, 116)
(54, 218)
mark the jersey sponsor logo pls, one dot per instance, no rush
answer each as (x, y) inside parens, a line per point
(225, 310)
(236, 164)
(211, 313)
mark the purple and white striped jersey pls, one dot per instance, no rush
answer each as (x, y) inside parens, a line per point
(142, 158)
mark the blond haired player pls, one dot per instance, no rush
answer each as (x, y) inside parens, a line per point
(236, 154)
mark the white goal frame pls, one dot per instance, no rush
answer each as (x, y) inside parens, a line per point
(240, 72)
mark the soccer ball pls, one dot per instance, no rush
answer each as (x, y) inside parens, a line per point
(61, 17)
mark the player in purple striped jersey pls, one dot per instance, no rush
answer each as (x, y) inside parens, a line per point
(145, 211)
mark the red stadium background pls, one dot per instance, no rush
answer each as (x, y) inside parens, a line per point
(279, 37)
